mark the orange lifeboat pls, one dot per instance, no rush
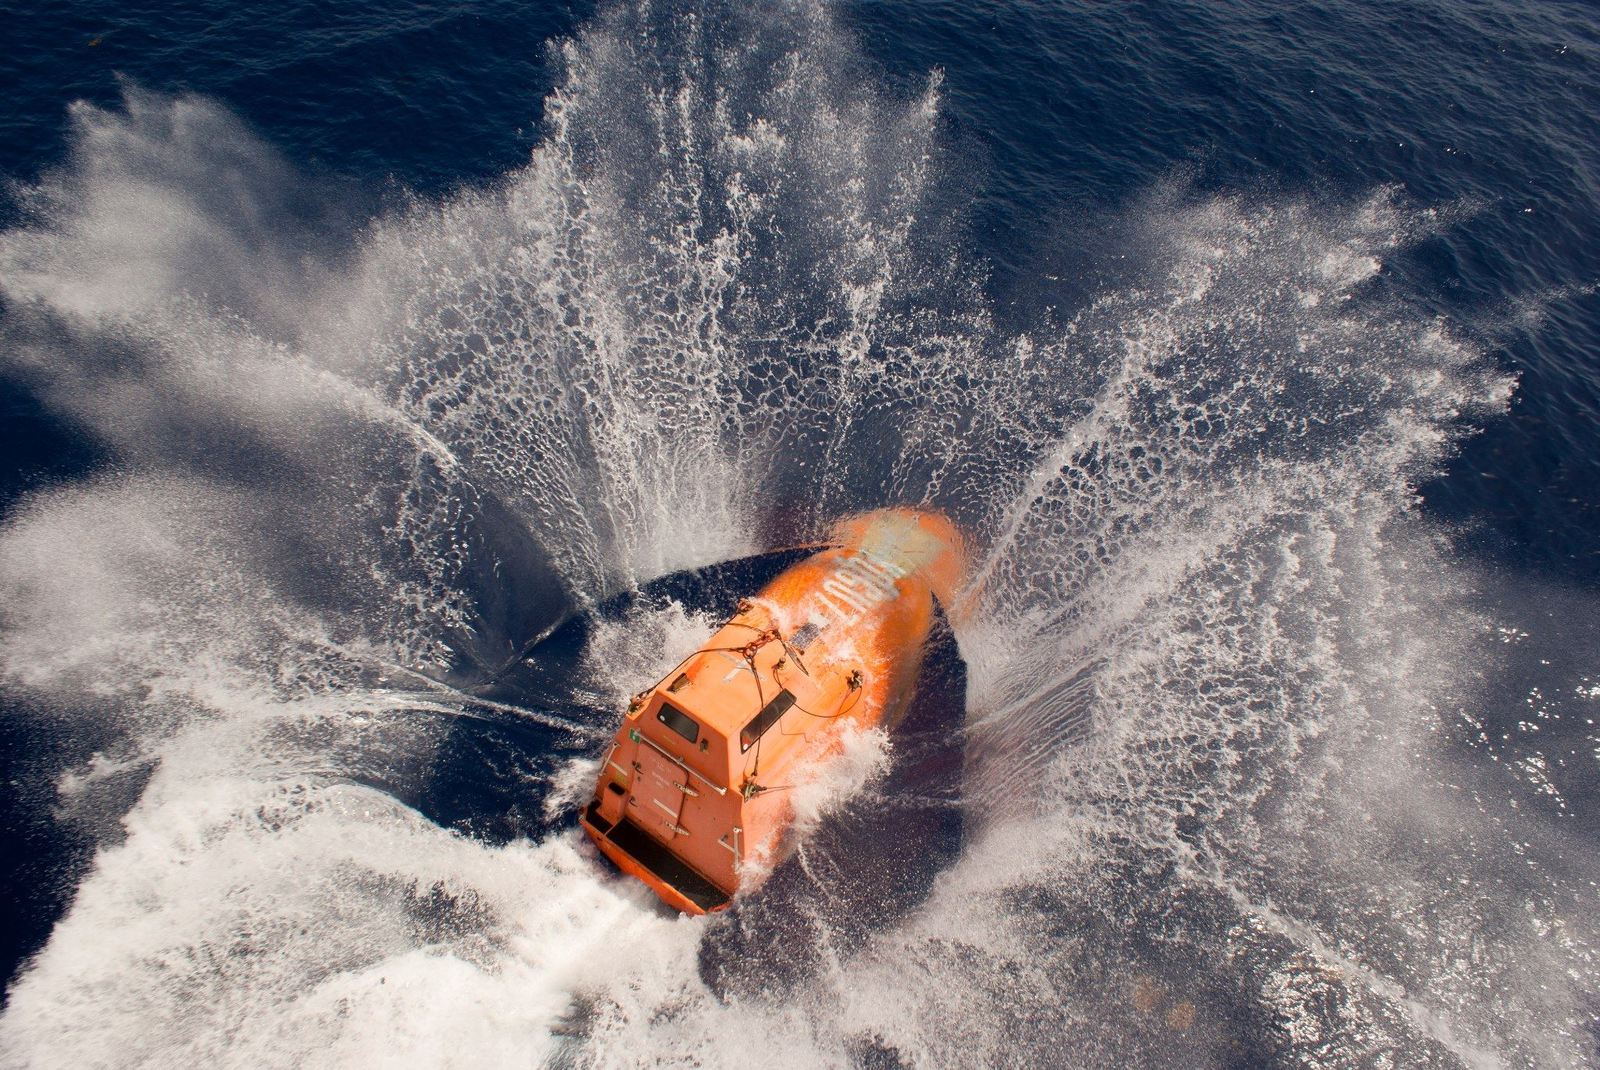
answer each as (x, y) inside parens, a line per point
(692, 796)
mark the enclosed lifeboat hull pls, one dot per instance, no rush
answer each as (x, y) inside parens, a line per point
(693, 796)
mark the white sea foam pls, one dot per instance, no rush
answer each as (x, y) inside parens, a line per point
(1215, 658)
(629, 653)
(841, 774)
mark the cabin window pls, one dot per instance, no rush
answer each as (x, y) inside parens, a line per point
(764, 720)
(679, 722)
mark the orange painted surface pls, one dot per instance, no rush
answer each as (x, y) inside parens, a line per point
(693, 796)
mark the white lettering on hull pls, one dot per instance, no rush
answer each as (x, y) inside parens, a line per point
(857, 585)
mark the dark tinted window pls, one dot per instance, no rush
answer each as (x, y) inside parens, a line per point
(679, 722)
(764, 720)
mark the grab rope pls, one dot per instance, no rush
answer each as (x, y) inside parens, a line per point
(855, 684)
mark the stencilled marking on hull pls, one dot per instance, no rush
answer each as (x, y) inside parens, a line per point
(860, 583)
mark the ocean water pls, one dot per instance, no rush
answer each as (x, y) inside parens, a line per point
(387, 394)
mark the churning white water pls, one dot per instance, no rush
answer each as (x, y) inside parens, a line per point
(1216, 805)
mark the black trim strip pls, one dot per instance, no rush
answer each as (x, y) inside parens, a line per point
(649, 852)
(592, 815)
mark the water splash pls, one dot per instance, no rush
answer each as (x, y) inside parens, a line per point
(1215, 810)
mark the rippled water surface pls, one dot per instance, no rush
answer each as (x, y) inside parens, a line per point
(389, 393)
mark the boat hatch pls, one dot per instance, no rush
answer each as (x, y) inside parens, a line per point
(769, 716)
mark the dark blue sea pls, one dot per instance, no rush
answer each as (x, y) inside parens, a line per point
(389, 391)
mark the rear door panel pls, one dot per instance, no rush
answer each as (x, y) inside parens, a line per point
(658, 794)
